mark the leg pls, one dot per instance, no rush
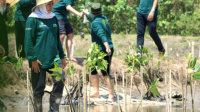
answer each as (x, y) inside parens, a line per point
(95, 84)
(56, 93)
(38, 85)
(62, 38)
(141, 25)
(154, 34)
(109, 78)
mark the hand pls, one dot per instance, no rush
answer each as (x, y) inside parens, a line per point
(35, 66)
(108, 51)
(150, 16)
(63, 62)
(86, 11)
(2, 50)
(81, 14)
(73, 59)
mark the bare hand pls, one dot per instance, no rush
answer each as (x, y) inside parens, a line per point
(35, 66)
(150, 16)
(63, 62)
(81, 14)
(2, 50)
(108, 51)
(86, 11)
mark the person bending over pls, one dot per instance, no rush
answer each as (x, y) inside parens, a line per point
(101, 34)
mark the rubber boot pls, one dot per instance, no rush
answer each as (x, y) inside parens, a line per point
(38, 104)
(55, 102)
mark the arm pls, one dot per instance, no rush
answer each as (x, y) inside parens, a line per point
(30, 37)
(86, 12)
(151, 14)
(25, 3)
(72, 10)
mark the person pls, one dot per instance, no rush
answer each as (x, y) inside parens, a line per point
(23, 11)
(3, 31)
(42, 43)
(101, 34)
(61, 10)
(147, 16)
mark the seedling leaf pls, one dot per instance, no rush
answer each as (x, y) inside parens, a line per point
(154, 91)
(190, 70)
(196, 76)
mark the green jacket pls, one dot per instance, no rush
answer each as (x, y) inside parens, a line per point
(59, 9)
(24, 9)
(42, 41)
(100, 31)
(146, 6)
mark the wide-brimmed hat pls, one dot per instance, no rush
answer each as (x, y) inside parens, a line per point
(95, 8)
(40, 2)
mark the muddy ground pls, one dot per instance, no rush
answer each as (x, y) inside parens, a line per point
(11, 80)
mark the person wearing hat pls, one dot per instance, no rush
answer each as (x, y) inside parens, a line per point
(42, 43)
(147, 16)
(23, 11)
(101, 34)
(61, 10)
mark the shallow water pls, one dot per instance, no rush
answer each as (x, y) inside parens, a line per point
(110, 108)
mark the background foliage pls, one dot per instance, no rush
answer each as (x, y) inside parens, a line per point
(176, 17)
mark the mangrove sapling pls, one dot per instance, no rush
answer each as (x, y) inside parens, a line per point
(58, 77)
(152, 89)
(95, 60)
(193, 75)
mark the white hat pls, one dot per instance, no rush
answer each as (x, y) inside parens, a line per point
(40, 2)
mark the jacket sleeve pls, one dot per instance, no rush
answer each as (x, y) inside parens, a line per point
(60, 48)
(99, 30)
(30, 39)
(69, 2)
(25, 3)
(90, 16)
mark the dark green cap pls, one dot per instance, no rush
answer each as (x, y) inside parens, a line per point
(96, 8)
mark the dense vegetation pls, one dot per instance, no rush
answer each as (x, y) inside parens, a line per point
(176, 17)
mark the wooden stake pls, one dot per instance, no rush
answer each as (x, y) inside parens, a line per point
(141, 75)
(192, 49)
(123, 88)
(28, 91)
(126, 94)
(131, 92)
(89, 91)
(182, 87)
(170, 87)
(85, 90)
(117, 92)
(186, 92)
(166, 49)
(166, 94)
(79, 90)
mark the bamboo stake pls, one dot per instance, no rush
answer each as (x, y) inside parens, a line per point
(28, 91)
(182, 88)
(166, 49)
(85, 90)
(117, 92)
(141, 74)
(192, 49)
(170, 86)
(131, 91)
(126, 95)
(79, 91)
(123, 88)
(186, 92)
(89, 91)
(166, 94)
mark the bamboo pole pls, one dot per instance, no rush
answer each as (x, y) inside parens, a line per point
(126, 95)
(123, 88)
(79, 91)
(166, 49)
(89, 91)
(131, 90)
(182, 88)
(186, 92)
(170, 86)
(85, 90)
(192, 49)
(166, 94)
(117, 92)
(28, 91)
(141, 75)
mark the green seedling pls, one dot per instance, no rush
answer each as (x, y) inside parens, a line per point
(19, 64)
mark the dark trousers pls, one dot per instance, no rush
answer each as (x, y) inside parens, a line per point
(141, 25)
(38, 83)
(20, 36)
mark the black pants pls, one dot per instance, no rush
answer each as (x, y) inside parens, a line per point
(20, 36)
(109, 60)
(38, 83)
(3, 35)
(141, 25)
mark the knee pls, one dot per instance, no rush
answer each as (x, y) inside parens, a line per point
(62, 37)
(152, 33)
(70, 36)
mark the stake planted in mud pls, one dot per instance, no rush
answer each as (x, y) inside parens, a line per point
(28, 90)
(182, 82)
(141, 75)
(166, 49)
(117, 92)
(170, 88)
(131, 91)
(89, 91)
(166, 94)
(79, 91)
(85, 90)
(125, 103)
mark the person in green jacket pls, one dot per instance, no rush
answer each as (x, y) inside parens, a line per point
(42, 44)
(61, 10)
(23, 11)
(147, 16)
(101, 34)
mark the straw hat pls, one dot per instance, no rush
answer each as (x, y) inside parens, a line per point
(40, 2)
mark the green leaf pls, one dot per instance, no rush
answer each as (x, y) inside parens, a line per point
(194, 62)
(54, 75)
(56, 64)
(154, 91)
(154, 83)
(59, 70)
(13, 60)
(196, 69)
(68, 72)
(53, 70)
(196, 76)
(58, 78)
(190, 70)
